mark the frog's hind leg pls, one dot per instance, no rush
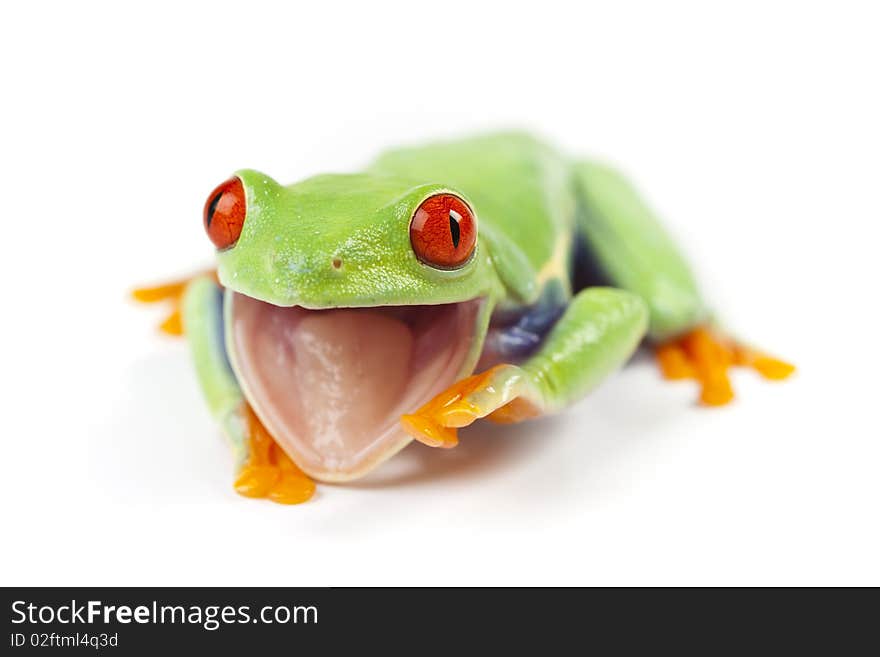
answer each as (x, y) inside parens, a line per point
(598, 332)
(263, 469)
(626, 246)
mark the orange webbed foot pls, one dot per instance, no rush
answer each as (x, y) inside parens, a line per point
(171, 292)
(269, 472)
(706, 355)
(435, 424)
(493, 393)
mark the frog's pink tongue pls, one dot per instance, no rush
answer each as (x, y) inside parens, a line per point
(330, 385)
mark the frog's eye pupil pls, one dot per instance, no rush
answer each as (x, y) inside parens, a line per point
(454, 228)
(211, 209)
(225, 211)
(443, 231)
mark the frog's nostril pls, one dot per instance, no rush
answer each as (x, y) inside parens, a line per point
(337, 263)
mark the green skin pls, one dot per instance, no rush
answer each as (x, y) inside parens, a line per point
(533, 206)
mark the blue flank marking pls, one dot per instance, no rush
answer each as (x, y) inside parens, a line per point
(521, 338)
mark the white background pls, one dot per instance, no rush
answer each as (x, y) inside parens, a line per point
(752, 129)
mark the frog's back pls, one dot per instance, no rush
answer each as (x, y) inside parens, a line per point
(522, 192)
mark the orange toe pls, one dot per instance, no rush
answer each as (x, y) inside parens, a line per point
(292, 489)
(773, 368)
(256, 480)
(173, 324)
(159, 292)
(429, 432)
(767, 366)
(674, 363)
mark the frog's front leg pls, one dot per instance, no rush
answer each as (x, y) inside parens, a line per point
(597, 333)
(263, 469)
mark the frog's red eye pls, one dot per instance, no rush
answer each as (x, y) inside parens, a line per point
(224, 213)
(443, 231)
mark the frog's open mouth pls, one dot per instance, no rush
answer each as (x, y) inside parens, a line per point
(330, 385)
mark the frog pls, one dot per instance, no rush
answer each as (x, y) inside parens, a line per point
(487, 277)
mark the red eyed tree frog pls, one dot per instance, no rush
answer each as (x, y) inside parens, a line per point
(490, 277)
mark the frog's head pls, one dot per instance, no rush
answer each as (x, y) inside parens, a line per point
(352, 299)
